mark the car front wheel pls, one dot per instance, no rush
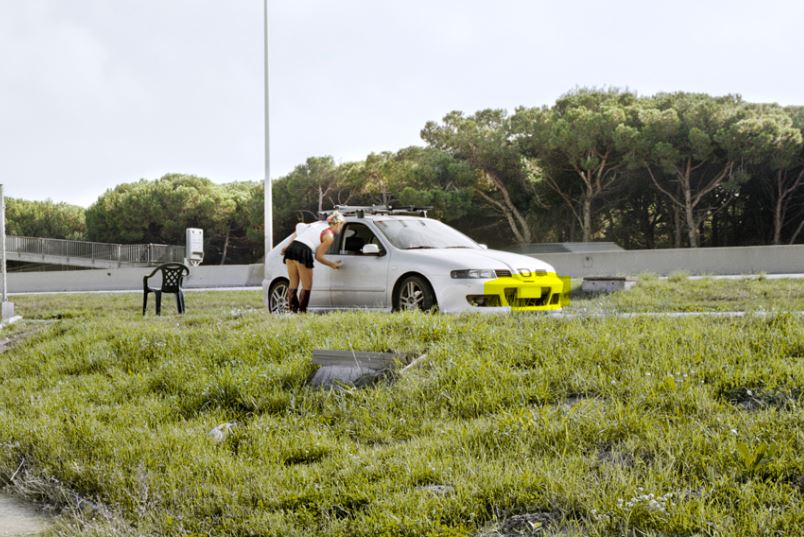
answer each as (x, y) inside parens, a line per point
(414, 293)
(278, 297)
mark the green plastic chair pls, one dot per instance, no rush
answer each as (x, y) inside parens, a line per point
(172, 276)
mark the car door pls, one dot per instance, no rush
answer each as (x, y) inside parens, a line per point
(362, 279)
(322, 287)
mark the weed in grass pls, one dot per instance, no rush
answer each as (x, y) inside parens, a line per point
(752, 457)
(678, 276)
(646, 277)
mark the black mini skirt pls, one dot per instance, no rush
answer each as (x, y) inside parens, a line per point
(298, 251)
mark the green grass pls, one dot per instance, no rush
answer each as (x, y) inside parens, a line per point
(678, 293)
(596, 426)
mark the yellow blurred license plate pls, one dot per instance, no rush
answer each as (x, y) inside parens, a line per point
(529, 292)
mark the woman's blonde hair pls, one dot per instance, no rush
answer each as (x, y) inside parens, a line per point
(335, 218)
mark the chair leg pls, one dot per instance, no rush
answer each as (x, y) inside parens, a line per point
(180, 301)
(158, 302)
(144, 302)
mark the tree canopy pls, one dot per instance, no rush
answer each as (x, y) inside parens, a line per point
(672, 169)
(45, 219)
(160, 211)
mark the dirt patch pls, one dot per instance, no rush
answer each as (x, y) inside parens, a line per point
(18, 518)
(439, 490)
(49, 503)
(614, 457)
(752, 399)
(29, 329)
(526, 525)
(797, 482)
(572, 399)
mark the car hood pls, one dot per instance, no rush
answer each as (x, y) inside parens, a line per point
(479, 259)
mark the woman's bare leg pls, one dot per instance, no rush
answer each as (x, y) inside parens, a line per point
(293, 276)
(306, 276)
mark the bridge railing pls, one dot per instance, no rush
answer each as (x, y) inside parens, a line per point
(141, 254)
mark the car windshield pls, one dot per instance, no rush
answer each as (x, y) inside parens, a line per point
(422, 233)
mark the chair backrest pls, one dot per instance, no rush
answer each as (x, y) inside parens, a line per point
(172, 276)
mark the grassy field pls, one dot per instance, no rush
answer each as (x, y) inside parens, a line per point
(511, 425)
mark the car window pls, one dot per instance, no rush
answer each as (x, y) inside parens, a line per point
(334, 248)
(417, 233)
(352, 239)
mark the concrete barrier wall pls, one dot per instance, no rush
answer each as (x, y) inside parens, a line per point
(738, 260)
(695, 261)
(130, 279)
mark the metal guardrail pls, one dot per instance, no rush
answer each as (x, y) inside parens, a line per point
(83, 251)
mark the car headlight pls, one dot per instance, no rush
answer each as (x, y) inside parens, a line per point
(479, 274)
(527, 273)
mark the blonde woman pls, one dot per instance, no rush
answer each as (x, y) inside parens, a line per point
(310, 242)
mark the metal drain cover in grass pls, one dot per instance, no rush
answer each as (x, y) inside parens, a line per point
(349, 368)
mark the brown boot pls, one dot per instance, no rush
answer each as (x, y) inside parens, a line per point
(304, 298)
(293, 301)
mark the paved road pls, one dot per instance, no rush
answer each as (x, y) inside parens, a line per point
(18, 518)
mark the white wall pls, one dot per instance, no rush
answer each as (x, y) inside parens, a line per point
(737, 260)
(123, 279)
(733, 260)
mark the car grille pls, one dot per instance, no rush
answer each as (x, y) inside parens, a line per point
(503, 273)
(513, 300)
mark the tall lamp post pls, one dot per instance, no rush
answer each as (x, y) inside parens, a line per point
(268, 209)
(7, 307)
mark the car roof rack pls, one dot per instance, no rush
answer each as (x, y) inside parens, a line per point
(362, 210)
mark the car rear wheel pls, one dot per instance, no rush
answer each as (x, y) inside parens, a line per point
(278, 297)
(414, 293)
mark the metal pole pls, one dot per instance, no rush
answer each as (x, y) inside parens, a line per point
(268, 211)
(7, 313)
(3, 241)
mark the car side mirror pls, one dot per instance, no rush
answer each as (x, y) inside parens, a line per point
(483, 246)
(370, 249)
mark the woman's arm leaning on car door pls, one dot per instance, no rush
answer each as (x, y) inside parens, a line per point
(326, 242)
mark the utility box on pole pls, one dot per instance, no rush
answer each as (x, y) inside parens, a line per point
(194, 245)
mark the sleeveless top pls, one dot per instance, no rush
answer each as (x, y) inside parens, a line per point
(312, 234)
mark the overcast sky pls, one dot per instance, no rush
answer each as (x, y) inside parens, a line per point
(94, 93)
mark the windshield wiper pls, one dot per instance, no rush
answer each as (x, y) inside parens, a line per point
(419, 247)
(468, 247)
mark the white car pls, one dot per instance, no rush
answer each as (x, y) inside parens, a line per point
(395, 260)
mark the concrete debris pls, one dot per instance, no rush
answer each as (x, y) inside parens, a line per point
(219, 433)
